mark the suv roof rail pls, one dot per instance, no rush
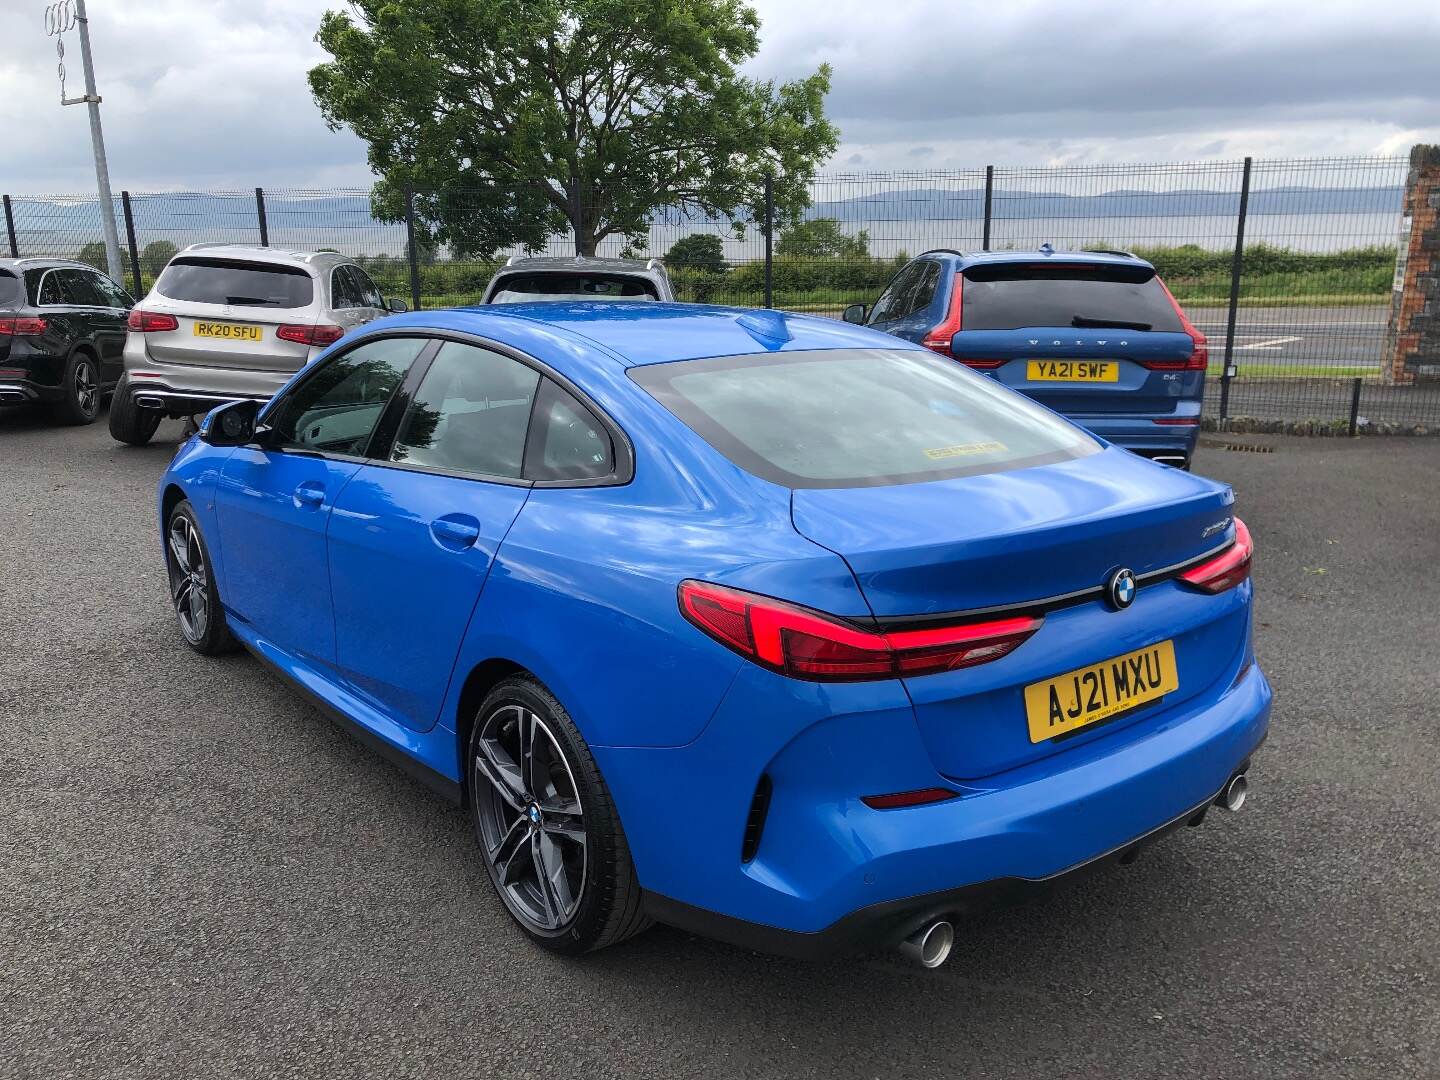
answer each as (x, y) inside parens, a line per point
(512, 260)
(1111, 251)
(942, 251)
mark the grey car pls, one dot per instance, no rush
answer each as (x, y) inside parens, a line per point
(578, 277)
(226, 322)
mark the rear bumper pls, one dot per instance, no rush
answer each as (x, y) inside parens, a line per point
(1146, 435)
(885, 925)
(197, 387)
(24, 392)
(833, 875)
(154, 394)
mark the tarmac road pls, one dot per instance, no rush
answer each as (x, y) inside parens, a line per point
(200, 876)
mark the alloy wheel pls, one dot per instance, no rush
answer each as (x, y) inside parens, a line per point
(531, 822)
(87, 388)
(189, 586)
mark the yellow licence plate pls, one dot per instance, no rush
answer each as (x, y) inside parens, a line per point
(1072, 371)
(1090, 694)
(228, 331)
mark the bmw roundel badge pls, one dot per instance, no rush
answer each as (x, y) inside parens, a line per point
(1120, 589)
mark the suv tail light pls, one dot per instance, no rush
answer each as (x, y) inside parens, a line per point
(323, 334)
(23, 327)
(150, 322)
(941, 337)
(1199, 358)
(805, 644)
(1226, 570)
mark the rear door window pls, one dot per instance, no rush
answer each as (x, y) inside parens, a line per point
(112, 294)
(1011, 296)
(859, 417)
(366, 289)
(469, 414)
(236, 283)
(84, 289)
(567, 441)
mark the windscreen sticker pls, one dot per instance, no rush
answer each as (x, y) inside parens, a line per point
(939, 453)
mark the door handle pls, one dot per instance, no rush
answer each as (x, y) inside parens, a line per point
(455, 531)
(310, 494)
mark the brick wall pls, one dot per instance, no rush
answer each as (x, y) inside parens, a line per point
(1412, 342)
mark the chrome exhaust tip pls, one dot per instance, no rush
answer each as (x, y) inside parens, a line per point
(149, 401)
(1232, 797)
(929, 946)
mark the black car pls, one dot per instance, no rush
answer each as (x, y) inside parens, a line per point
(62, 336)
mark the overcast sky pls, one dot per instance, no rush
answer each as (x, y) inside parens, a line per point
(211, 94)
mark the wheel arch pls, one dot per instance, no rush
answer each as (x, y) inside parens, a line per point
(483, 678)
(172, 497)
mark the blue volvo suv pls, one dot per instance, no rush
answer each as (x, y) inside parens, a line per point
(1096, 336)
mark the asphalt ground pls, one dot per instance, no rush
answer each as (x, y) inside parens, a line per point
(1267, 338)
(200, 876)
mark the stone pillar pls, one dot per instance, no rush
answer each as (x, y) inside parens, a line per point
(1412, 342)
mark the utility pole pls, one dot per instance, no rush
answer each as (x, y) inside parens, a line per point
(59, 17)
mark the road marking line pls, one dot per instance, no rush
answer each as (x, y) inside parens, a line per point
(1273, 343)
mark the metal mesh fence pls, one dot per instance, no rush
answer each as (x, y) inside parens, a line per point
(1310, 305)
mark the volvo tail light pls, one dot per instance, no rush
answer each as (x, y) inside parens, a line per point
(22, 327)
(1199, 358)
(941, 337)
(150, 322)
(1226, 570)
(320, 335)
(806, 644)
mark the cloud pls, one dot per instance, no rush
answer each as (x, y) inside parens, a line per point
(212, 93)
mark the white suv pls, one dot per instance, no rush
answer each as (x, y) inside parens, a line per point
(225, 322)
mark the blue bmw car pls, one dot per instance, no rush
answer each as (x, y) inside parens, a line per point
(785, 631)
(1096, 336)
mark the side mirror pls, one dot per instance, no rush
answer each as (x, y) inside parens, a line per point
(855, 313)
(231, 424)
(397, 306)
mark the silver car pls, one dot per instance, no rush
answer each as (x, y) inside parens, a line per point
(225, 322)
(578, 277)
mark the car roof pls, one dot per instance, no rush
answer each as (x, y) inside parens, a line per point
(1044, 253)
(635, 334)
(256, 253)
(591, 263)
(42, 262)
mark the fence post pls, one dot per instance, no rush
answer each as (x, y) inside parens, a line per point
(410, 247)
(10, 229)
(989, 202)
(130, 240)
(769, 240)
(1355, 407)
(260, 216)
(1237, 264)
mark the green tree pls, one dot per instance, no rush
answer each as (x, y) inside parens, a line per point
(93, 254)
(517, 118)
(698, 251)
(156, 256)
(821, 238)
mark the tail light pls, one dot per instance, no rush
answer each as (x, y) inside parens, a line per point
(23, 327)
(321, 335)
(150, 322)
(941, 337)
(1199, 358)
(805, 644)
(1226, 570)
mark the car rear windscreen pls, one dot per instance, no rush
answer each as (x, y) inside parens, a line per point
(237, 283)
(1011, 296)
(528, 288)
(859, 417)
(11, 292)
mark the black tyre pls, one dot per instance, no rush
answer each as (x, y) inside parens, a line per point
(547, 828)
(81, 389)
(128, 422)
(192, 585)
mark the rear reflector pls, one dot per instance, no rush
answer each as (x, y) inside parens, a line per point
(1179, 421)
(941, 337)
(150, 322)
(25, 327)
(982, 365)
(311, 335)
(806, 644)
(909, 798)
(1226, 570)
